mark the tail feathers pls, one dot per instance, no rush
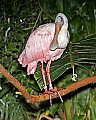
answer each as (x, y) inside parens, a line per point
(31, 67)
(22, 59)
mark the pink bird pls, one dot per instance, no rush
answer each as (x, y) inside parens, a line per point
(46, 44)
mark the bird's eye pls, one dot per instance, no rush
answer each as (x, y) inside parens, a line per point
(61, 21)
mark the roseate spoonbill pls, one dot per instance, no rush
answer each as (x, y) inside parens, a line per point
(47, 43)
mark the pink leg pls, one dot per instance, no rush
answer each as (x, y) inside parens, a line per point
(43, 75)
(45, 85)
(49, 80)
(50, 83)
(48, 75)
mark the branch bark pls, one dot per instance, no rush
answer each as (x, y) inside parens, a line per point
(42, 97)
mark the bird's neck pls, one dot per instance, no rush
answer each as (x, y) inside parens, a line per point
(63, 30)
(62, 37)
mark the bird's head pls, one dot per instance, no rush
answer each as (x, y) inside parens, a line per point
(60, 21)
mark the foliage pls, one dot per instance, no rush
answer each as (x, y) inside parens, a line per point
(17, 19)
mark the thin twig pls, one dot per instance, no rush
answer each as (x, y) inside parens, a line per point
(28, 28)
(37, 20)
(45, 116)
(45, 11)
(35, 23)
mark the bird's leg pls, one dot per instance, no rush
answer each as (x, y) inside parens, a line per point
(43, 76)
(49, 80)
(45, 85)
(48, 75)
(50, 83)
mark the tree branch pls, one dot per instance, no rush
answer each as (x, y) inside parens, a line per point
(38, 98)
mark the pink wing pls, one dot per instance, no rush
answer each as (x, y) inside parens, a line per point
(37, 47)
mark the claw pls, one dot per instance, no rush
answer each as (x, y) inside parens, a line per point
(60, 96)
(49, 92)
(50, 99)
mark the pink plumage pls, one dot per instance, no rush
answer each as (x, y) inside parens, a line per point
(47, 43)
(37, 48)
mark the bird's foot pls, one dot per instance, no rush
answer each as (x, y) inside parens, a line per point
(56, 90)
(50, 91)
(50, 96)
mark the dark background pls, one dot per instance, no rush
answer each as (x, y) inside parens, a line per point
(24, 16)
